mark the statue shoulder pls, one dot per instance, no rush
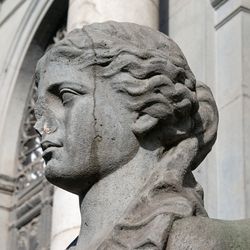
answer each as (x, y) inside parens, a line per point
(204, 233)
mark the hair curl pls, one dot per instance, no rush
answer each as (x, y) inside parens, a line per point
(150, 66)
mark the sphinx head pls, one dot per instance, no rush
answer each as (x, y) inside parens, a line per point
(108, 89)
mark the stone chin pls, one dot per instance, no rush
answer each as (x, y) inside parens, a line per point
(63, 177)
(77, 181)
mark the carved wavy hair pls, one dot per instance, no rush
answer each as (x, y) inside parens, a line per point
(141, 62)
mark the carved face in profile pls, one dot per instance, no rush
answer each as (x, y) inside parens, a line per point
(86, 123)
(101, 92)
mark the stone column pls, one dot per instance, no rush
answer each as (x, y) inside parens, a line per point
(143, 12)
(232, 22)
(66, 216)
(65, 219)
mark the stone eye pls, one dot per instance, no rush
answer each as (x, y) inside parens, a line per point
(67, 95)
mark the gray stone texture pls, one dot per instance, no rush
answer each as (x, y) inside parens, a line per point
(123, 124)
(215, 42)
(190, 22)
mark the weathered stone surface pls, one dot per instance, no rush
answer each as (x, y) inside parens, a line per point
(203, 233)
(123, 124)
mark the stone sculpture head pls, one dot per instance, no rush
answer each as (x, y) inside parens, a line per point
(108, 89)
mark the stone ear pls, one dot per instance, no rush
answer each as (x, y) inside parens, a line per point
(144, 123)
(206, 122)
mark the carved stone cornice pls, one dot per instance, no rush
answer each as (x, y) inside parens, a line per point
(217, 3)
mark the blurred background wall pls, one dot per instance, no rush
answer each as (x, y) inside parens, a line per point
(215, 38)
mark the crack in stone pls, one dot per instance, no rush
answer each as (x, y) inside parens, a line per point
(96, 139)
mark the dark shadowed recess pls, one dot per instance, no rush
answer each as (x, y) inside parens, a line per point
(163, 16)
(52, 22)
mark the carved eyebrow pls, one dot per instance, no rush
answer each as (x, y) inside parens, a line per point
(57, 86)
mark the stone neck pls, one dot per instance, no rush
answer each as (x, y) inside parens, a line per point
(107, 200)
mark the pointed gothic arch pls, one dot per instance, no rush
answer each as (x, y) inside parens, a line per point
(30, 211)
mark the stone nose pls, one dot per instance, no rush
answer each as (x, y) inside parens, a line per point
(45, 126)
